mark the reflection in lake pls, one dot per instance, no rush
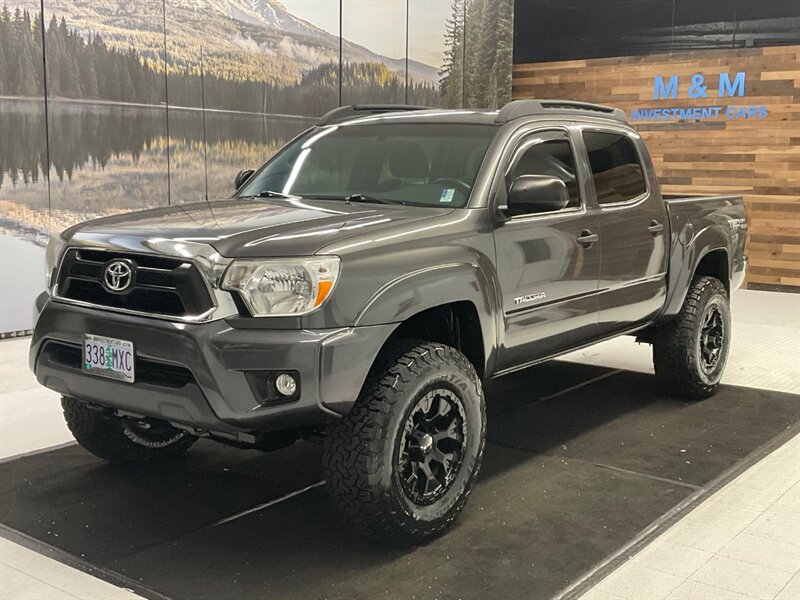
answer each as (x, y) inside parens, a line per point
(106, 159)
(109, 158)
(24, 202)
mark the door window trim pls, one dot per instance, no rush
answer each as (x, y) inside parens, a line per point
(520, 146)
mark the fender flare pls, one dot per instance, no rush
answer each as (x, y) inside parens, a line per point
(431, 287)
(685, 259)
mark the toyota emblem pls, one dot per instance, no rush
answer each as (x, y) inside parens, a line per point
(118, 276)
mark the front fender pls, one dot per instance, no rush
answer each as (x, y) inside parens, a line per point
(434, 286)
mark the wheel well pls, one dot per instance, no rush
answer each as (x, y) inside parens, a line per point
(454, 324)
(715, 264)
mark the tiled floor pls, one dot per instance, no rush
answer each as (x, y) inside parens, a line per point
(741, 543)
(30, 415)
(744, 541)
(25, 574)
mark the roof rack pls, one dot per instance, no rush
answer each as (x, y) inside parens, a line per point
(529, 108)
(354, 111)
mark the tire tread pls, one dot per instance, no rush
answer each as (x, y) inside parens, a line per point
(674, 350)
(101, 434)
(354, 446)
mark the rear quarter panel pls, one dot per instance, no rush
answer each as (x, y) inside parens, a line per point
(700, 225)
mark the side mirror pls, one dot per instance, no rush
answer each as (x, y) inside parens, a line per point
(530, 194)
(242, 177)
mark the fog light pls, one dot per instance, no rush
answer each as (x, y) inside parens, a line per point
(286, 384)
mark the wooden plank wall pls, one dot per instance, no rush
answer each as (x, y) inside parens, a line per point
(757, 158)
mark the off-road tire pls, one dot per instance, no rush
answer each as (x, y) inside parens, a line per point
(116, 440)
(677, 354)
(362, 449)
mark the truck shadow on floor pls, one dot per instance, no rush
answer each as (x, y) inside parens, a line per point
(567, 479)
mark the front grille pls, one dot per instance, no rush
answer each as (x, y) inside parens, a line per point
(145, 370)
(161, 285)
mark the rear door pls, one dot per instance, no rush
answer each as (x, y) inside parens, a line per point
(548, 264)
(633, 228)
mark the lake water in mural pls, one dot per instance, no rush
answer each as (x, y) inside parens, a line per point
(111, 158)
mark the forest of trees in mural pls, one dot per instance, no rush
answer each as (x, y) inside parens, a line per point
(478, 54)
(118, 97)
(86, 68)
(106, 99)
(476, 70)
(20, 53)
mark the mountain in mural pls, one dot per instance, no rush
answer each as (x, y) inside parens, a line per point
(259, 40)
(85, 65)
(277, 16)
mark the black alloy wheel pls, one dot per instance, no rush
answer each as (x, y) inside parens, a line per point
(691, 349)
(712, 338)
(401, 465)
(433, 446)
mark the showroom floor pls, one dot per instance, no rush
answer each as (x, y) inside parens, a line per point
(662, 517)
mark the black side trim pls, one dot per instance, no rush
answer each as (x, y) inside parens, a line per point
(592, 342)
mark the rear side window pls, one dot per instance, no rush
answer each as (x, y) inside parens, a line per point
(616, 169)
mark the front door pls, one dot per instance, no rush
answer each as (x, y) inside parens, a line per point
(548, 264)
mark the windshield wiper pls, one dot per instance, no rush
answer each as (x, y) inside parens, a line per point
(270, 194)
(356, 198)
(365, 198)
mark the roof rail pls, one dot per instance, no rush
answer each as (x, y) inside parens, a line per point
(354, 111)
(529, 108)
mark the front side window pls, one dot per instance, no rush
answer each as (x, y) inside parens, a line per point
(551, 158)
(616, 169)
(421, 164)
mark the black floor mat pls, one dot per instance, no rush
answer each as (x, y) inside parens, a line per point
(566, 481)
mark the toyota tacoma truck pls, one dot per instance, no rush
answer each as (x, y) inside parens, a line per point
(362, 285)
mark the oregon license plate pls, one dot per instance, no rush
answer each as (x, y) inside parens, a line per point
(108, 357)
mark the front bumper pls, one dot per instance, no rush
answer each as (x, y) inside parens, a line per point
(196, 372)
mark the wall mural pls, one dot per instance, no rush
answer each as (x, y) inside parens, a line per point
(162, 101)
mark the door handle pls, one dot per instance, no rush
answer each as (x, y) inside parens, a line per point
(655, 227)
(587, 238)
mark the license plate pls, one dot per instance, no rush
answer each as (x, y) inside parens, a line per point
(108, 357)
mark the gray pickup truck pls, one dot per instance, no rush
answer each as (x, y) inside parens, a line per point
(363, 283)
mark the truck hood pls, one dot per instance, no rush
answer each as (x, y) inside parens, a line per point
(247, 227)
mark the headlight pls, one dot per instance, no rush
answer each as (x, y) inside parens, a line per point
(55, 247)
(282, 287)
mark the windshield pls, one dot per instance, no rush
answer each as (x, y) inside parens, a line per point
(417, 164)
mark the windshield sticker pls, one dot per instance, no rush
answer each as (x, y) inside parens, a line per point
(447, 195)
